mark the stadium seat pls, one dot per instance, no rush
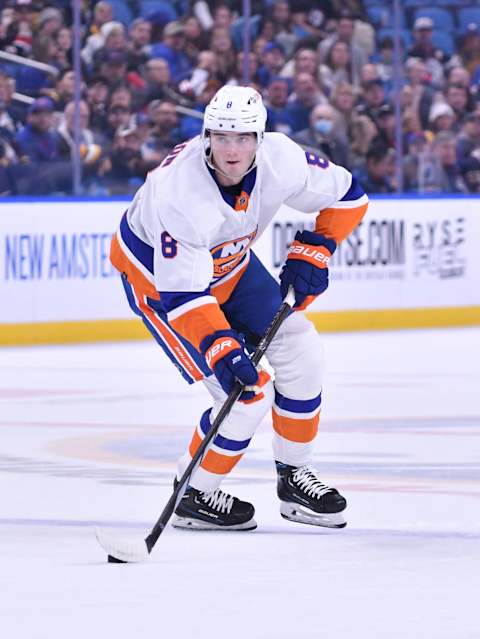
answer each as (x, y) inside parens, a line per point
(157, 6)
(409, 4)
(442, 18)
(444, 41)
(382, 16)
(236, 30)
(466, 16)
(121, 11)
(405, 36)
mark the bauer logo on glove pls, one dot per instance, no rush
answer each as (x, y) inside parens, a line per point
(306, 267)
(225, 354)
(218, 350)
(309, 253)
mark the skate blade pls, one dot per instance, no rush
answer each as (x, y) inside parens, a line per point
(187, 523)
(295, 512)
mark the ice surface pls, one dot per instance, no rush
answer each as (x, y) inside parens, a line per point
(89, 437)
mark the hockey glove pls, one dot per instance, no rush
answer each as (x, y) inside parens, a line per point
(224, 352)
(306, 267)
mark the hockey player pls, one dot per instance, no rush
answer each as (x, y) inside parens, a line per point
(184, 250)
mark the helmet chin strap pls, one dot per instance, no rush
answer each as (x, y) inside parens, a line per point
(210, 161)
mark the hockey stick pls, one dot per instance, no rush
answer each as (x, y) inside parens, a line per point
(124, 551)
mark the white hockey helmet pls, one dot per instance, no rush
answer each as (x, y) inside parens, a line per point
(236, 110)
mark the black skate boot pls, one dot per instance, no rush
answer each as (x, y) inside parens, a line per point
(215, 510)
(306, 499)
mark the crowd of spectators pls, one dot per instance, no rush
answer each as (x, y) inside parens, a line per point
(325, 69)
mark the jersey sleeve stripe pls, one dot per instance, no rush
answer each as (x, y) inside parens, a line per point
(355, 192)
(196, 300)
(345, 205)
(198, 322)
(338, 223)
(142, 251)
(135, 274)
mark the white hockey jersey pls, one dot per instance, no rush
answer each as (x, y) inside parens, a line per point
(180, 234)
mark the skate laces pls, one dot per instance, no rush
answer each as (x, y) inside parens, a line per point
(307, 479)
(218, 500)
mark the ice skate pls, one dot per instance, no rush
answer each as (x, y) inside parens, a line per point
(215, 510)
(306, 499)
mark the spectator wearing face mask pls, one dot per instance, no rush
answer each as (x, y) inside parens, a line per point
(321, 137)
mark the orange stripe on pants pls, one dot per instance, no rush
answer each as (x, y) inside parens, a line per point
(142, 288)
(175, 345)
(296, 430)
(214, 462)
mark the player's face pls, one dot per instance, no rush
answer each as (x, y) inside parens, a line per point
(233, 153)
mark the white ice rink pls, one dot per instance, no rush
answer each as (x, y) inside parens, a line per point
(89, 435)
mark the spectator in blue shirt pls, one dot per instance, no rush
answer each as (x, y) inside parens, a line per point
(39, 144)
(276, 104)
(272, 62)
(172, 50)
(307, 95)
(37, 140)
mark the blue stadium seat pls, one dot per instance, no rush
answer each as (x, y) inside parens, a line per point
(236, 30)
(382, 16)
(158, 6)
(408, 4)
(444, 41)
(442, 18)
(405, 36)
(121, 11)
(466, 16)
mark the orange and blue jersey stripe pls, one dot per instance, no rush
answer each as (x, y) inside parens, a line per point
(339, 220)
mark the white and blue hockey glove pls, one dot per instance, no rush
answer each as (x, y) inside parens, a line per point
(306, 267)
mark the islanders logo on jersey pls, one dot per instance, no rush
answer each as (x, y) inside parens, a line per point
(228, 255)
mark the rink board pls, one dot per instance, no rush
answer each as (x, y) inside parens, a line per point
(411, 263)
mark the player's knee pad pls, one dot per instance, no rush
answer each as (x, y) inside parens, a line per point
(296, 355)
(243, 419)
